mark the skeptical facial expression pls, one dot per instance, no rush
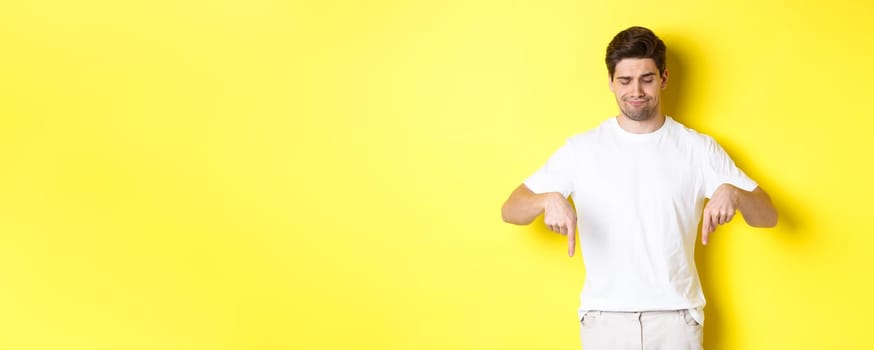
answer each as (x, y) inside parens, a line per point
(637, 84)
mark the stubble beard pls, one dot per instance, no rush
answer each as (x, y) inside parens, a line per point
(639, 115)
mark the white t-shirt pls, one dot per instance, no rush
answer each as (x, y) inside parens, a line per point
(639, 199)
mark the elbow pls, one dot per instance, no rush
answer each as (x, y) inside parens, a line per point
(772, 220)
(767, 221)
(508, 216)
(504, 215)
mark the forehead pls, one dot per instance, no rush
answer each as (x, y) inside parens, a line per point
(635, 67)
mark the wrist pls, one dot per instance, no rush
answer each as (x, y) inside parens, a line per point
(734, 193)
(547, 198)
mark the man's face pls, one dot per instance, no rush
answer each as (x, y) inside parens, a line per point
(637, 85)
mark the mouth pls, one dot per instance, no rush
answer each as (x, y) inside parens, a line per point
(636, 103)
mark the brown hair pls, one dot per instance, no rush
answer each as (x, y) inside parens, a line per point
(635, 42)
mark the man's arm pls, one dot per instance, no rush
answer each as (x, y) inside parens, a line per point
(524, 206)
(755, 206)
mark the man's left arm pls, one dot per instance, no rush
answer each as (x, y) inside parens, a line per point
(755, 206)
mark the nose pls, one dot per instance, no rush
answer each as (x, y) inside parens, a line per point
(637, 89)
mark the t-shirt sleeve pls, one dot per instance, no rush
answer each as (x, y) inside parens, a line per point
(557, 174)
(720, 169)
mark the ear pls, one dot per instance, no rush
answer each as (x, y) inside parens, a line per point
(610, 83)
(665, 79)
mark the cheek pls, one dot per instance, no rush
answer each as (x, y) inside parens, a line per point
(619, 91)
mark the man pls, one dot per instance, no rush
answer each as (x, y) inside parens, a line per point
(639, 182)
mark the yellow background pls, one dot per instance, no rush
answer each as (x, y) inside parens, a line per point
(329, 174)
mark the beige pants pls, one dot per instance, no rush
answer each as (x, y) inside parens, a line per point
(651, 330)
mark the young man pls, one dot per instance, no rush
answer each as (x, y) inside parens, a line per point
(639, 182)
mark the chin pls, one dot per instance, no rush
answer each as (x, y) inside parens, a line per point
(639, 117)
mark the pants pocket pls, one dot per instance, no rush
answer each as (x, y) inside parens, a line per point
(589, 318)
(690, 321)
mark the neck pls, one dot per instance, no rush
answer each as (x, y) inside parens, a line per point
(641, 127)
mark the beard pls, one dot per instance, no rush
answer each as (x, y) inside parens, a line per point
(645, 112)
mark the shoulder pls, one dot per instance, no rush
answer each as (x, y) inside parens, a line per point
(592, 136)
(691, 137)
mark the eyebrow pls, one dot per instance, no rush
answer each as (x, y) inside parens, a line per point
(642, 76)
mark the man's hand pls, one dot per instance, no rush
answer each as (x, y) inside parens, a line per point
(720, 209)
(523, 206)
(755, 205)
(560, 217)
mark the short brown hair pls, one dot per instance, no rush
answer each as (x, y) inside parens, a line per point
(635, 42)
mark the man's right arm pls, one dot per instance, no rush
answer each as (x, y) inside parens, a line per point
(524, 206)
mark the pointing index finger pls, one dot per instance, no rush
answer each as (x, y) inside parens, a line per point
(571, 239)
(705, 228)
